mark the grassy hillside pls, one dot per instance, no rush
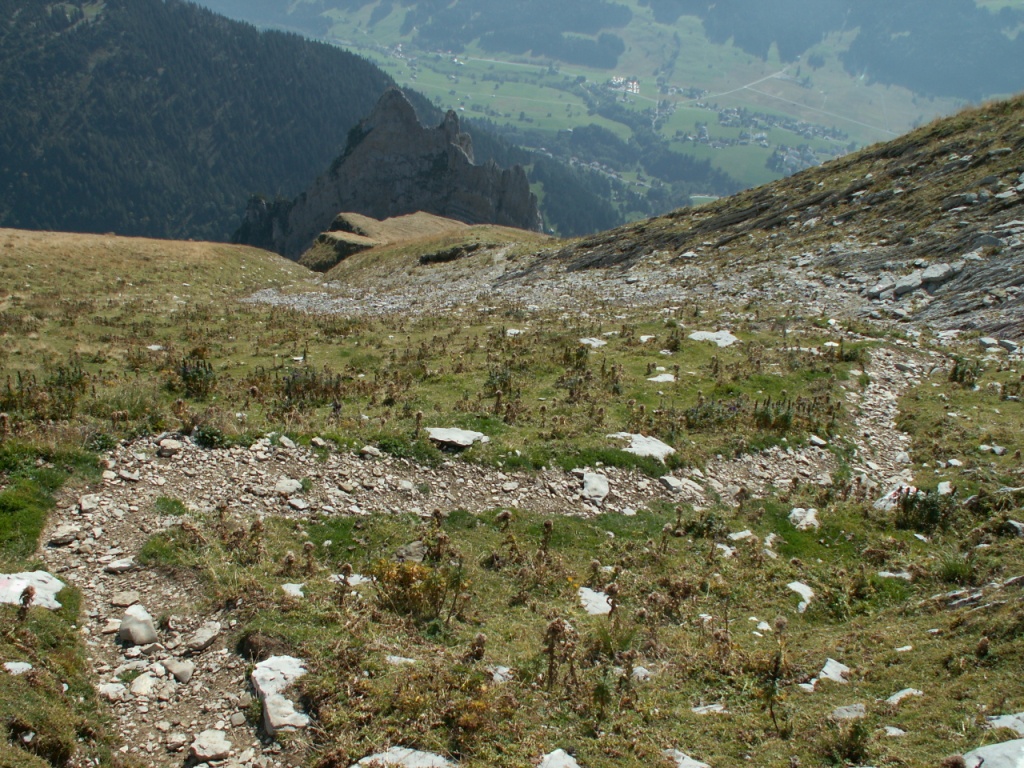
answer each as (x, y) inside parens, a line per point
(548, 348)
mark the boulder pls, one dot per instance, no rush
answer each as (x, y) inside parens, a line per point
(123, 565)
(721, 338)
(595, 487)
(899, 696)
(169, 447)
(937, 273)
(882, 286)
(835, 671)
(144, 685)
(181, 670)
(1006, 754)
(1014, 722)
(46, 587)
(210, 745)
(270, 679)
(642, 445)
(203, 637)
(804, 519)
(64, 535)
(456, 438)
(908, 283)
(595, 603)
(288, 486)
(137, 626)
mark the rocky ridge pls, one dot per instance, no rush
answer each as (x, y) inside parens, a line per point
(394, 166)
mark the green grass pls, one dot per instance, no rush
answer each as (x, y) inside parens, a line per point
(55, 700)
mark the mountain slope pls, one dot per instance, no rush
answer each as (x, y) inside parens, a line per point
(826, 569)
(161, 118)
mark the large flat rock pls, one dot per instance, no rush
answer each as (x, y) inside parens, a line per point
(46, 585)
(455, 437)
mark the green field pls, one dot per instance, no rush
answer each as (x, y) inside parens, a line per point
(533, 94)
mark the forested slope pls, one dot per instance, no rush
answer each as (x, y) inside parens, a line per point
(161, 118)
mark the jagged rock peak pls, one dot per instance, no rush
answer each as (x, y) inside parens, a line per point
(394, 166)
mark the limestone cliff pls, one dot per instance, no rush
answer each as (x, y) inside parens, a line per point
(392, 166)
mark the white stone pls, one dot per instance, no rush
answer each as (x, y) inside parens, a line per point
(270, 679)
(899, 696)
(641, 673)
(137, 626)
(595, 603)
(851, 712)
(835, 671)
(353, 581)
(817, 441)
(144, 685)
(169, 447)
(804, 519)
(1007, 754)
(404, 758)
(399, 661)
(805, 592)
(593, 343)
(181, 670)
(210, 745)
(663, 378)
(13, 585)
(112, 691)
(892, 731)
(1013, 722)
(89, 503)
(123, 565)
(710, 709)
(681, 760)
(558, 759)
(740, 535)
(279, 714)
(286, 442)
(276, 673)
(721, 338)
(888, 502)
(294, 590)
(460, 438)
(64, 535)
(642, 445)
(17, 667)
(595, 487)
(287, 486)
(203, 637)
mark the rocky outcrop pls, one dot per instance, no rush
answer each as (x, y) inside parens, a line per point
(392, 166)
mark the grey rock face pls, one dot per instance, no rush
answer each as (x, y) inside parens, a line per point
(393, 166)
